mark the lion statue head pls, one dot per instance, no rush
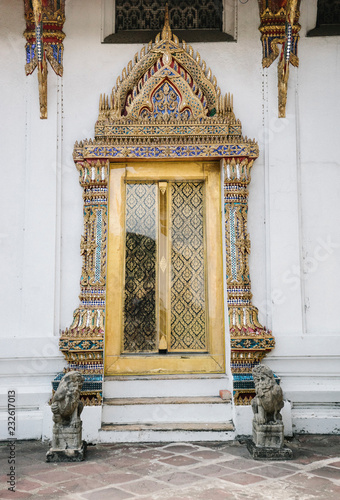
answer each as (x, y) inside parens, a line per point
(66, 398)
(269, 398)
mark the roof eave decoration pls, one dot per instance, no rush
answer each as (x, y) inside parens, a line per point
(279, 25)
(44, 42)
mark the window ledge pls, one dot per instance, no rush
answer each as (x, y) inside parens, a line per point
(144, 36)
(325, 30)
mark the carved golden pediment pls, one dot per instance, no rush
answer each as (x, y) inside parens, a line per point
(166, 91)
(164, 59)
(166, 104)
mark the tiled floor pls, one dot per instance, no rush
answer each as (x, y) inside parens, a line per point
(177, 471)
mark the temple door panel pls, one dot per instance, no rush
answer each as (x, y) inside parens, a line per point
(165, 273)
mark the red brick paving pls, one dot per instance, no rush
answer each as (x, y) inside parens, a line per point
(55, 476)
(81, 485)
(153, 454)
(271, 471)
(212, 470)
(285, 465)
(309, 459)
(242, 478)
(179, 461)
(147, 468)
(10, 495)
(180, 478)
(124, 460)
(328, 472)
(207, 454)
(90, 468)
(183, 471)
(217, 494)
(27, 485)
(306, 479)
(49, 492)
(240, 464)
(108, 494)
(144, 486)
(180, 448)
(119, 477)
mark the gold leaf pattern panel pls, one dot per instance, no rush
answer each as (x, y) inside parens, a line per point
(140, 328)
(188, 324)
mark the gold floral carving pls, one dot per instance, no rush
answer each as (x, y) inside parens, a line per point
(82, 343)
(249, 340)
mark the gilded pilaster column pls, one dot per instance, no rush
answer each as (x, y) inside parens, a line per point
(250, 341)
(82, 343)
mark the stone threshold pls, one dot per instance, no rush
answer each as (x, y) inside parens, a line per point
(159, 401)
(180, 426)
(166, 377)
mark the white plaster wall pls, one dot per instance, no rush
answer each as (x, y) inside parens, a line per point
(293, 201)
(29, 354)
(12, 127)
(305, 270)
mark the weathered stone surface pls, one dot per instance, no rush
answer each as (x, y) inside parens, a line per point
(268, 453)
(268, 435)
(268, 431)
(67, 444)
(269, 398)
(65, 437)
(67, 455)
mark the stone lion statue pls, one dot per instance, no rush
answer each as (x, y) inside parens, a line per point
(269, 398)
(65, 401)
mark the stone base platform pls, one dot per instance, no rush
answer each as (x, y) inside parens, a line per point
(67, 455)
(264, 453)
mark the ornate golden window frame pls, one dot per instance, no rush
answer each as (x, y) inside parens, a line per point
(129, 364)
(202, 127)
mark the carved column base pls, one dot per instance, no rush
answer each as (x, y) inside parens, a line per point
(67, 436)
(67, 455)
(263, 453)
(67, 444)
(268, 442)
(268, 435)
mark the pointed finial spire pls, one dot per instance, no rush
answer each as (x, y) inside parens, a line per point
(166, 32)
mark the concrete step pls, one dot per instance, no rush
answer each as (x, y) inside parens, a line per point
(157, 401)
(168, 409)
(165, 385)
(166, 432)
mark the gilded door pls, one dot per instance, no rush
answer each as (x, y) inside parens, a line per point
(164, 290)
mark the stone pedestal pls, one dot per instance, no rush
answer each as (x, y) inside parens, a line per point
(263, 453)
(67, 444)
(268, 435)
(67, 455)
(67, 436)
(268, 442)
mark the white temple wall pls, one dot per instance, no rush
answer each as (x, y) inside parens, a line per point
(293, 203)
